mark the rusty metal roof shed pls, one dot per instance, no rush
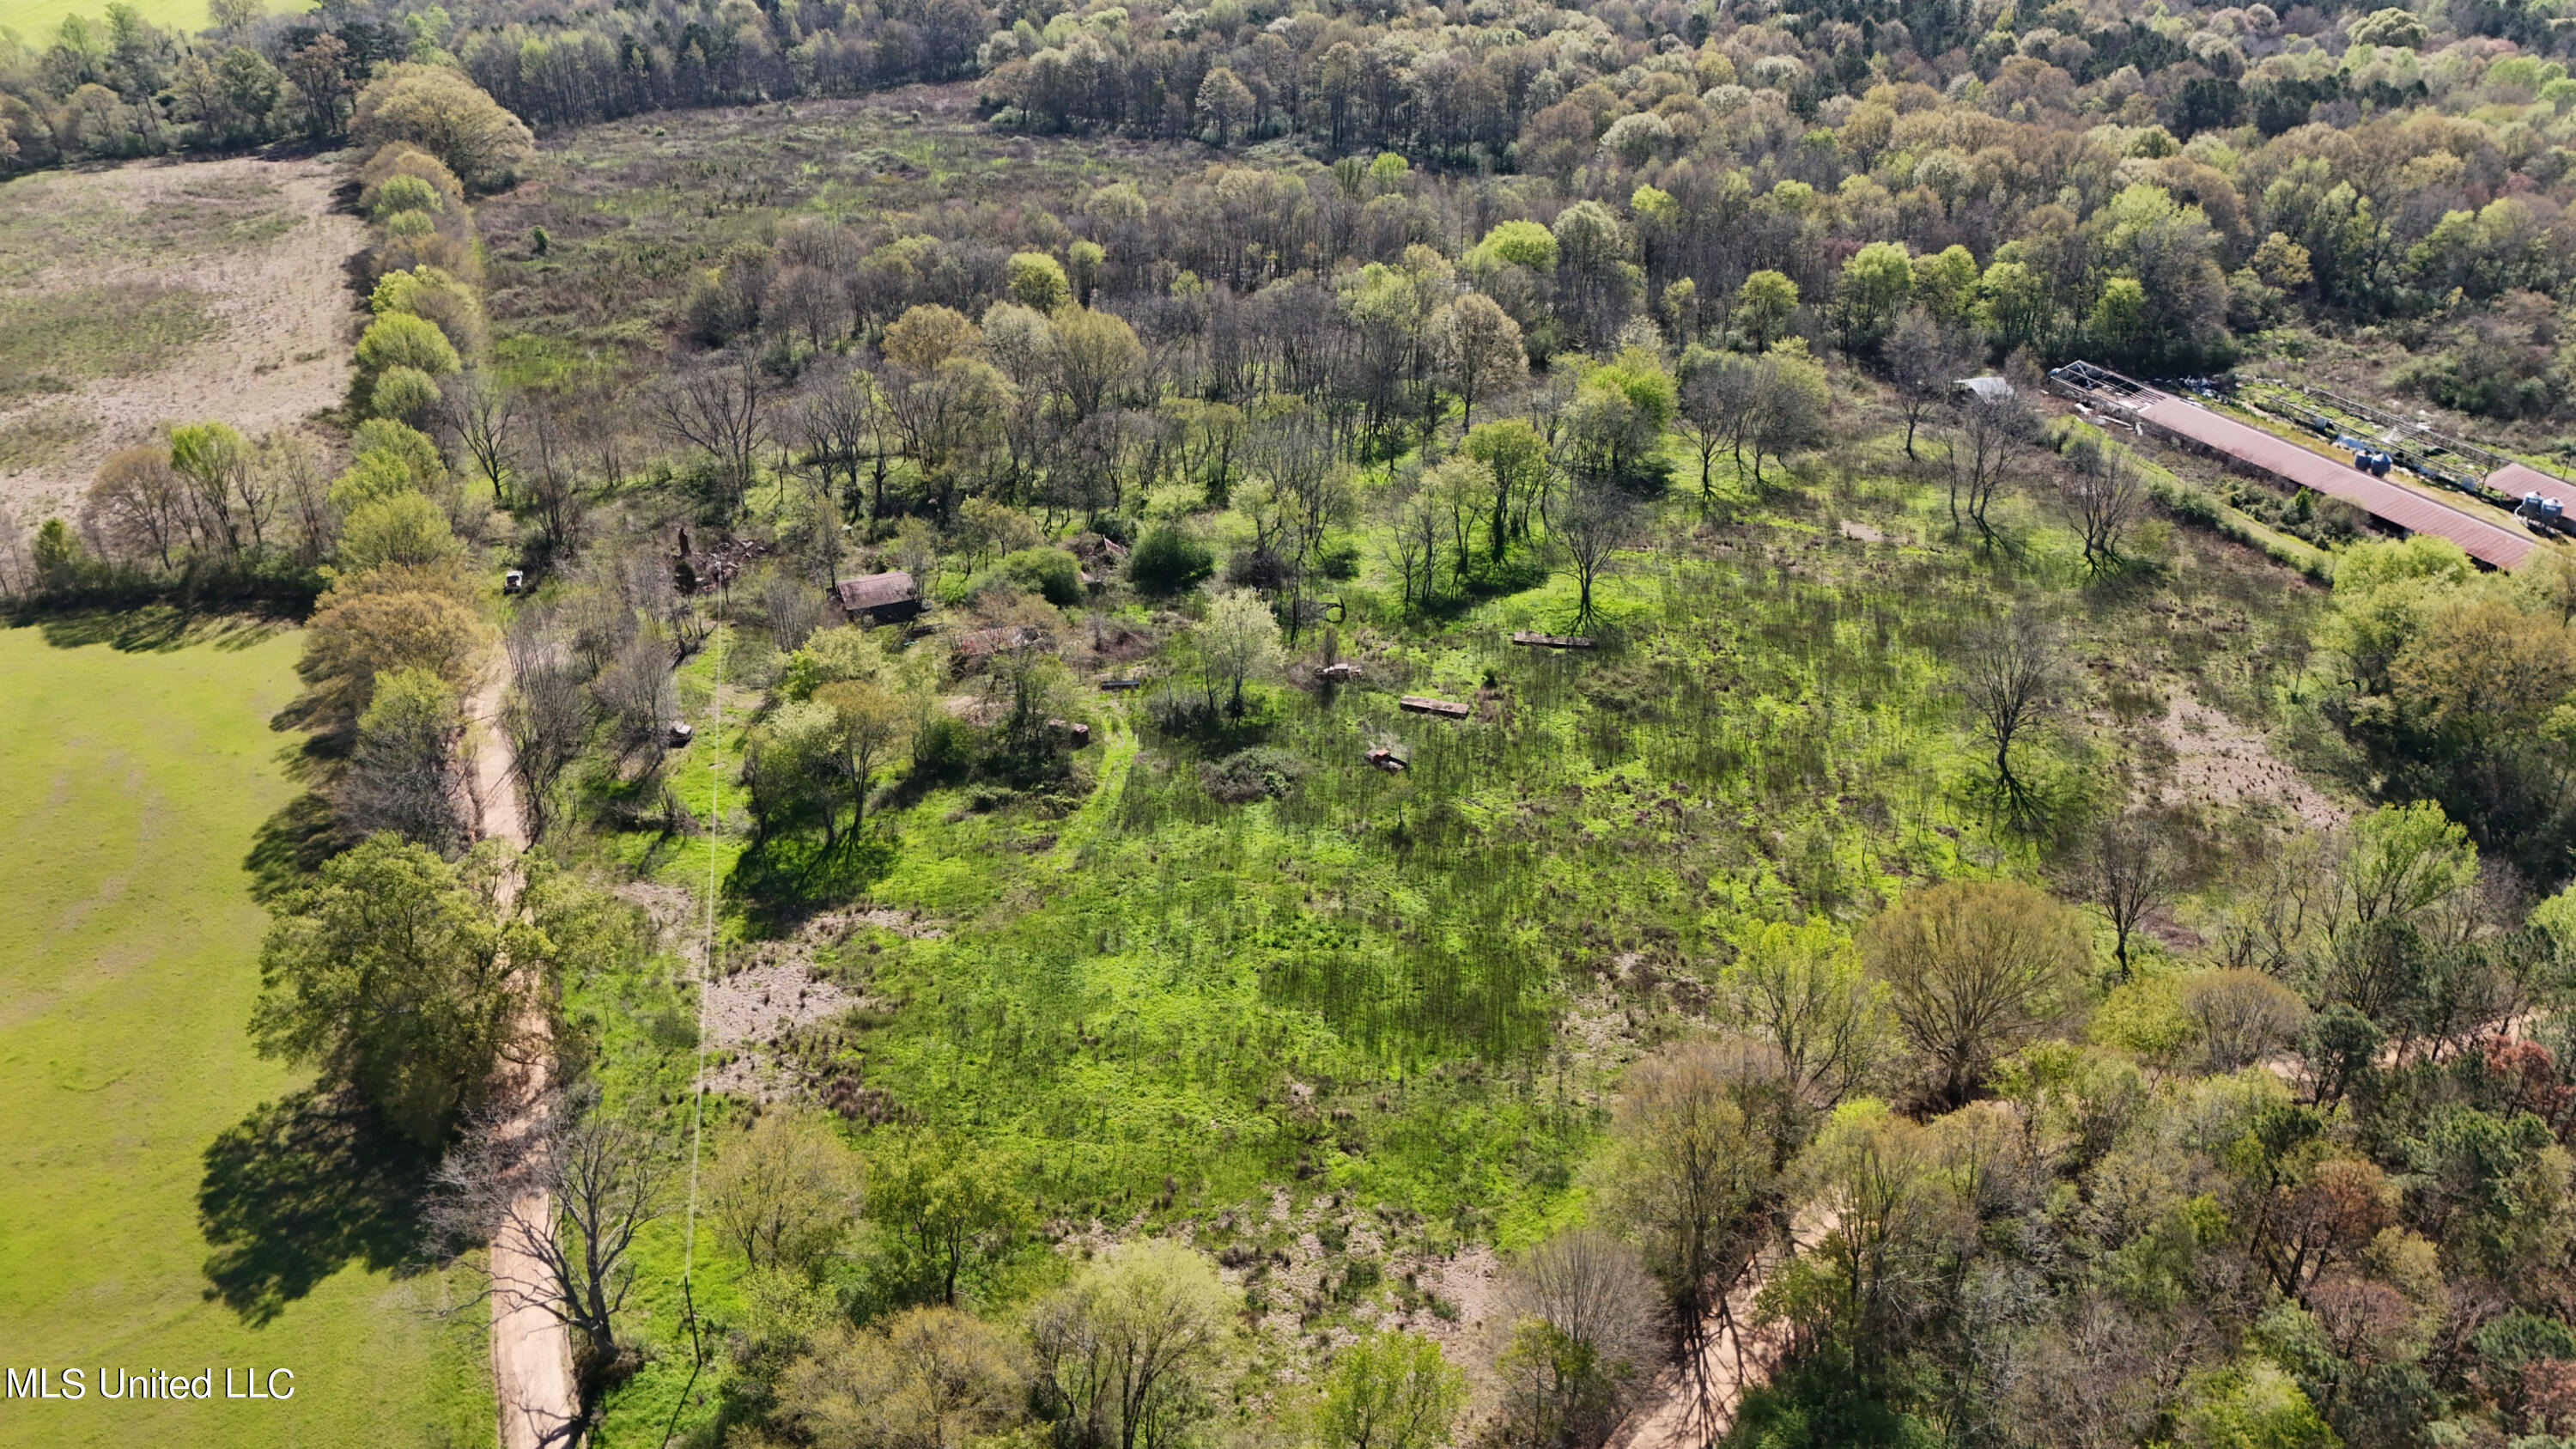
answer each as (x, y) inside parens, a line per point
(2516, 479)
(876, 591)
(2491, 543)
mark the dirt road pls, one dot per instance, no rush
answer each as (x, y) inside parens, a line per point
(531, 1353)
(1734, 1361)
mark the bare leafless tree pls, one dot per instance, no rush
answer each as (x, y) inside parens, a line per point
(2129, 874)
(636, 700)
(1986, 432)
(552, 480)
(837, 424)
(792, 608)
(1716, 412)
(1688, 1177)
(299, 477)
(1294, 454)
(571, 1186)
(1587, 532)
(2107, 492)
(721, 409)
(136, 506)
(1586, 1334)
(485, 415)
(606, 443)
(546, 714)
(1411, 546)
(1973, 970)
(2012, 676)
(2243, 1016)
(1924, 362)
(404, 774)
(17, 574)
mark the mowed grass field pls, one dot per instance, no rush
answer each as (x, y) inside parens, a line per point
(35, 20)
(134, 781)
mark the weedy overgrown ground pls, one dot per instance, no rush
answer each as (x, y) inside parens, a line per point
(635, 211)
(161, 293)
(156, 1213)
(1360, 1031)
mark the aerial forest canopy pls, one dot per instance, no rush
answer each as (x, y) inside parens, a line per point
(1297, 724)
(2145, 187)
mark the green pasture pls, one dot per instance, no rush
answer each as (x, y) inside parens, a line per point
(138, 771)
(35, 20)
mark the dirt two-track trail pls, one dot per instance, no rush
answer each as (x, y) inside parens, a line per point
(1738, 1356)
(531, 1352)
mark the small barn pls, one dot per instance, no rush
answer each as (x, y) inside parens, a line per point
(885, 598)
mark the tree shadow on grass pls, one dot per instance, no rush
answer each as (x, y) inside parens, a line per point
(291, 845)
(300, 1189)
(781, 881)
(153, 628)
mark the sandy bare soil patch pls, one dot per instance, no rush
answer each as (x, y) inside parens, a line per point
(253, 245)
(2218, 760)
(775, 988)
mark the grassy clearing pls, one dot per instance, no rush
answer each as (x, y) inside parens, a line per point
(35, 20)
(160, 293)
(44, 434)
(636, 210)
(59, 220)
(54, 341)
(137, 767)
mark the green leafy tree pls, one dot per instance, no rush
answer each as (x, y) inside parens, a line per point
(2392, 26)
(1973, 969)
(382, 620)
(1791, 403)
(785, 1193)
(1945, 284)
(1036, 280)
(1763, 306)
(397, 976)
(927, 1378)
(1128, 1352)
(1390, 1391)
(1614, 431)
(1523, 244)
(399, 339)
(947, 1205)
(869, 728)
(215, 462)
(1481, 352)
(1516, 457)
(1801, 988)
(59, 556)
(1238, 641)
(403, 530)
(437, 109)
(1226, 102)
(1876, 282)
(1168, 561)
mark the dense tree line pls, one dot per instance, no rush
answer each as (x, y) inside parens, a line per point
(2141, 188)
